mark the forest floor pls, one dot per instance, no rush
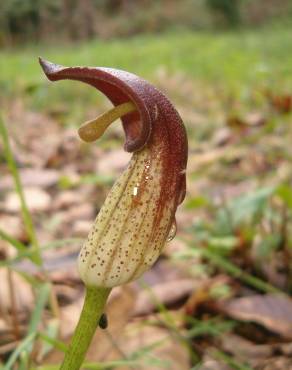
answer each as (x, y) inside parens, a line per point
(219, 296)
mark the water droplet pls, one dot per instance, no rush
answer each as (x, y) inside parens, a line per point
(172, 231)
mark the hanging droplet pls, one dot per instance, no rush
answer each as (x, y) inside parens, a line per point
(172, 231)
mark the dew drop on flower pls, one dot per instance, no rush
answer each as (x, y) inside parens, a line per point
(172, 232)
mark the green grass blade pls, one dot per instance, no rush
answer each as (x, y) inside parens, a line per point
(24, 345)
(14, 242)
(23, 361)
(53, 342)
(168, 322)
(41, 301)
(51, 245)
(238, 273)
(27, 220)
(27, 343)
(230, 361)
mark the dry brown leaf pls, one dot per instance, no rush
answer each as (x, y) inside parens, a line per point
(81, 228)
(8, 348)
(175, 246)
(65, 199)
(24, 299)
(37, 200)
(166, 293)
(69, 317)
(276, 363)
(273, 311)
(30, 148)
(255, 119)
(210, 362)
(196, 161)
(237, 123)
(119, 310)
(166, 348)
(13, 226)
(256, 355)
(32, 177)
(77, 212)
(281, 103)
(249, 120)
(222, 136)
(243, 349)
(113, 162)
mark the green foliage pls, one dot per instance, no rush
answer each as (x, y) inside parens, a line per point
(284, 191)
(249, 59)
(26, 216)
(213, 327)
(248, 208)
(53, 20)
(237, 228)
(229, 9)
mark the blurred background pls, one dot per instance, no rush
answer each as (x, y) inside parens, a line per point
(72, 20)
(219, 296)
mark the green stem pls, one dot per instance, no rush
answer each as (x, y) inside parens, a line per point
(26, 216)
(93, 308)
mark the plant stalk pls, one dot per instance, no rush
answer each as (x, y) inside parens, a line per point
(26, 216)
(93, 308)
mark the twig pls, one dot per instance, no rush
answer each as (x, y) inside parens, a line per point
(15, 321)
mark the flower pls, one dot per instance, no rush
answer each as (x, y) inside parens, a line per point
(136, 218)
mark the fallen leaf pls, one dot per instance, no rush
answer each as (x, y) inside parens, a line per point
(236, 122)
(276, 363)
(77, 212)
(166, 293)
(12, 226)
(69, 317)
(167, 350)
(30, 148)
(81, 228)
(245, 349)
(37, 200)
(32, 177)
(24, 299)
(65, 199)
(273, 311)
(255, 119)
(256, 355)
(210, 363)
(281, 103)
(198, 160)
(222, 136)
(163, 271)
(113, 162)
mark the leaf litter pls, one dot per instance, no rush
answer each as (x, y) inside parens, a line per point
(238, 207)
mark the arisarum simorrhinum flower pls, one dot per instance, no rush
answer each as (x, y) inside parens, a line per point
(139, 212)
